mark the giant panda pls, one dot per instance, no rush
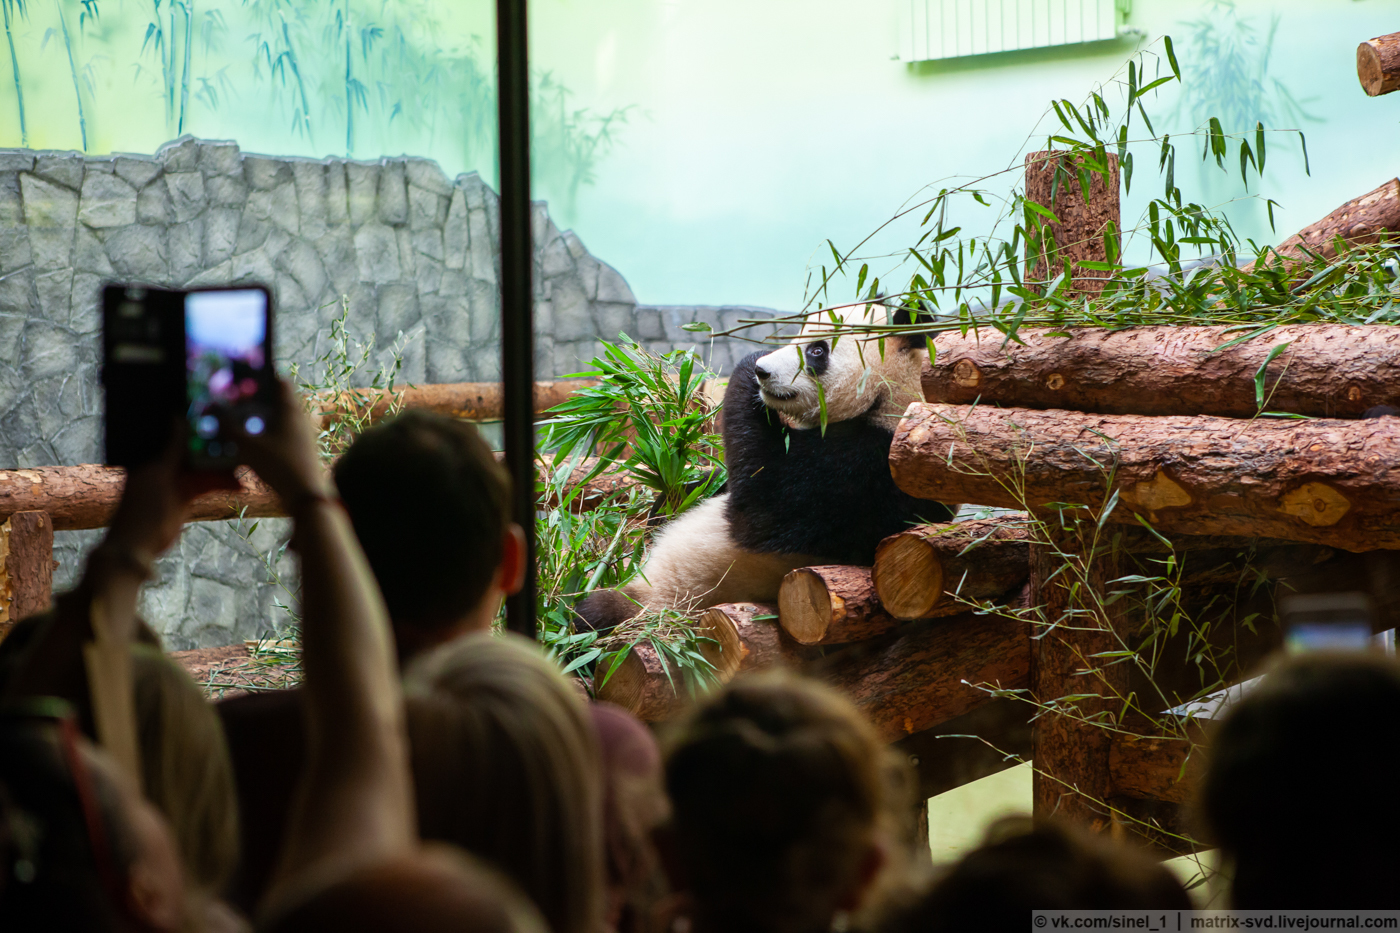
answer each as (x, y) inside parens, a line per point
(796, 495)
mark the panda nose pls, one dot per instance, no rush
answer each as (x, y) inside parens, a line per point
(760, 372)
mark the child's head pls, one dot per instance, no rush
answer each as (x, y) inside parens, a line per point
(785, 804)
(1024, 866)
(431, 507)
(506, 765)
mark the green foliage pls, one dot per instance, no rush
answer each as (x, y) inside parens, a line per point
(648, 420)
(649, 417)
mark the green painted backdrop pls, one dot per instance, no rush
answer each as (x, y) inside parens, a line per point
(707, 148)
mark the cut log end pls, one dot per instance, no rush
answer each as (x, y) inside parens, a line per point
(1378, 65)
(806, 607)
(908, 576)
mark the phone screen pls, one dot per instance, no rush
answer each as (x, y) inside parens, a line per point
(1328, 622)
(228, 370)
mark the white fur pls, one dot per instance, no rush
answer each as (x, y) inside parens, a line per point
(694, 563)
(860, 372)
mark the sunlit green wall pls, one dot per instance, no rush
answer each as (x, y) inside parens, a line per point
(706, 148)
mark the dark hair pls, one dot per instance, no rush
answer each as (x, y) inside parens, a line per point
(779, 787)
(64, 857)
(1027, 865)
(1294, 787)
(430, 506)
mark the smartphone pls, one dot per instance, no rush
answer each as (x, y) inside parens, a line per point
(1327, 621)
(229, 380)
(143, 371)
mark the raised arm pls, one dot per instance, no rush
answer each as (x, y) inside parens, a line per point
(355, 802)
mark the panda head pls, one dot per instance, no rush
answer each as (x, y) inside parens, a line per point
(856, 376)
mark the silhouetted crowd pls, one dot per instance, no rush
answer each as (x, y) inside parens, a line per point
(430, 775)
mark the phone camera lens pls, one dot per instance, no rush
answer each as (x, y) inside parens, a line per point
(254, 425)
(207, 426)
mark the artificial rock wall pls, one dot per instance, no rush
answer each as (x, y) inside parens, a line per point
(412, 253)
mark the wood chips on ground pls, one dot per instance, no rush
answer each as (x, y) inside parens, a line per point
(235, 670)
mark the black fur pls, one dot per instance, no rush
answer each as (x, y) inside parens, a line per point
(798, 492)
(602, 610)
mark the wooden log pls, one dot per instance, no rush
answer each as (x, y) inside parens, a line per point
(1156, 768)
(1326, 370)
(469, 401)
(761, 641)
(645, 685)
(917, 571)
(831, 605)
(1052, 180)
(1071, 683)
(1335, 483)
(1378, 64)
(966, 748)
(26, 567)
(1365, 219)
(930, 671)
(86, 495)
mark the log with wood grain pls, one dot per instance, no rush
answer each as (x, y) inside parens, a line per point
(1323, 370)
(86, 495)
(1076, 234)
(929, 672)
(1369, 218)
(831, 605)
(744, 637)
(924, 572)
(1329, 482)
(469, 401)
(1378, 64)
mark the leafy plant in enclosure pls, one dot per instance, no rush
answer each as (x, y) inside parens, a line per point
(648, 424)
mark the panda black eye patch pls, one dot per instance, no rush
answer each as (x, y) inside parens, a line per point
(817, 357)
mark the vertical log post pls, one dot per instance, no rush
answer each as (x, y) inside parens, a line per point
(26, 567)
(1072, 756)
(1072, 777)
(1053, 181)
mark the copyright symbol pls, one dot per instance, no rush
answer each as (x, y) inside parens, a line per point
(1040, 921)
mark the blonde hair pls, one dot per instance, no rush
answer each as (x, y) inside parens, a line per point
(185, 766)
(506, 765)
(779, 789)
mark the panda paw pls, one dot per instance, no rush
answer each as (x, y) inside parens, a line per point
(602, 610)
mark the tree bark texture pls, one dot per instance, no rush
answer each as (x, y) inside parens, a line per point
(831, 605)
(1071, 684)
(1326, 370)
(86, 495)
(1366, 219)
(469, 401)
(917, 571)
(1329, 482)
(1378, 64)
(1156, 768)
(643, 686)
(26, 574)
(761, 641)
(1052, 180)
(928, 672)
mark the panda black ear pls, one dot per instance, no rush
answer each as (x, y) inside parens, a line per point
(904, 315)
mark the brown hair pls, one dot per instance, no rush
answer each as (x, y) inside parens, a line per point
(506, 765)
(1026, 865)
(430, 506)
(779, 787)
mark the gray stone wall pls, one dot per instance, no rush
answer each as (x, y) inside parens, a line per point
(412, 253)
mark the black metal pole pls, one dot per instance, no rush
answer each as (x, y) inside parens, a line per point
(517, 293)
